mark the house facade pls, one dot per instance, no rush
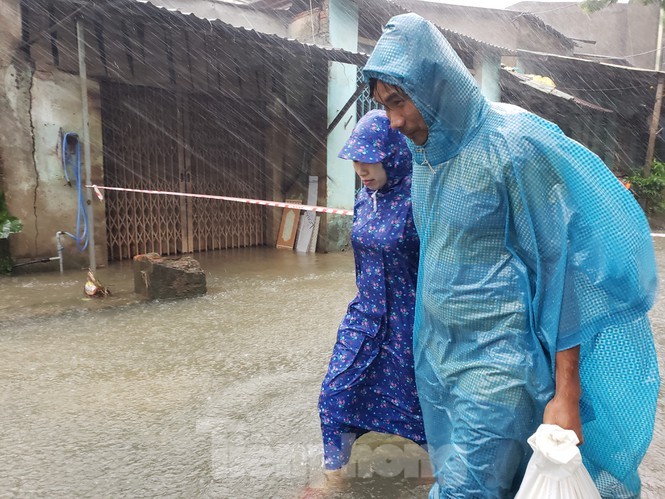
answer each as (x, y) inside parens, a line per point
(188, 97)
(175, 103)
(247, 100)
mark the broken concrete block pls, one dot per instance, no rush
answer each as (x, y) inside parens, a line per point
(157, 277)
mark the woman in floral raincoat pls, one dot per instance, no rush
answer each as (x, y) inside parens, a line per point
(370, 384)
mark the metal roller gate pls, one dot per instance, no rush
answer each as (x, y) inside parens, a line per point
(196, 143)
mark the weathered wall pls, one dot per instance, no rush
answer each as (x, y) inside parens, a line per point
(620, 30)
(56, 106)
(36, 105)
(335, 24)
(494, 26)
(311, 27)
(16, 160)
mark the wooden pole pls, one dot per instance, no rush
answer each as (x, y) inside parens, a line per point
(654, 129)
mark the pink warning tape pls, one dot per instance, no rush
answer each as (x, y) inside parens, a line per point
(318, 209)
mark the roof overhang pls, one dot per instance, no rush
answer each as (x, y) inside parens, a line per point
(596, 75)
(254, 36)
(527, 81)
(383, 10)
(115, 28)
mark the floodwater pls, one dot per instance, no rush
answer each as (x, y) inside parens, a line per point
(207, 397)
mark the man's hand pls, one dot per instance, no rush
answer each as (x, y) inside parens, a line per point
(564, 408)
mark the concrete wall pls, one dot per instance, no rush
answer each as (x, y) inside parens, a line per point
(493, 26)
(335, 24)
(343, 27)
(621, 30)
(311, 27)
(487, 69)
(56, 106)
(36, 105)
(15, 126)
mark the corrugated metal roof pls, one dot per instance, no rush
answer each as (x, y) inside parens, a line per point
(508, 15)
(588, 64)
(260, 4)
(455, 36)
(332, 54)
(571, 43)
(626, 90)
(528, 80)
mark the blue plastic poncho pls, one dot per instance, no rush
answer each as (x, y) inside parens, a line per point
(529, 246)
(370, 384)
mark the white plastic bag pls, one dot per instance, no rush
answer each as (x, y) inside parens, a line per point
(556, 471)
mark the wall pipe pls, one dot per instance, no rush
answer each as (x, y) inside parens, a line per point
(60, 248)
(659, 41)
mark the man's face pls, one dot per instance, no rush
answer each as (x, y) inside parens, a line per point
(402, 112)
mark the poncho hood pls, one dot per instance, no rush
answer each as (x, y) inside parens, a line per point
(373, 141)
(437, 82)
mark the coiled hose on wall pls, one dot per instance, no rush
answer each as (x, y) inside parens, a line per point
(71, 164)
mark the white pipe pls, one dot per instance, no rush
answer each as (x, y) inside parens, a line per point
(60, 248)
(659, 40)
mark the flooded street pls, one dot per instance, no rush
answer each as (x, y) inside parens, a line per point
(207, 397)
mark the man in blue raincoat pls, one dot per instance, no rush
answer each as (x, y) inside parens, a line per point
(536, 274)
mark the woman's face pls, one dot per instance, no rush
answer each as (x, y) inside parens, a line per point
(373, 175)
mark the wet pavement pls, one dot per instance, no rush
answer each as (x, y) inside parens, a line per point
(207, 397)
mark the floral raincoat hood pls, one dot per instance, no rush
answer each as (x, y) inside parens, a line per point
(373, 141)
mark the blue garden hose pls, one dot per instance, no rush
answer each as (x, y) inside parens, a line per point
(71, 162)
